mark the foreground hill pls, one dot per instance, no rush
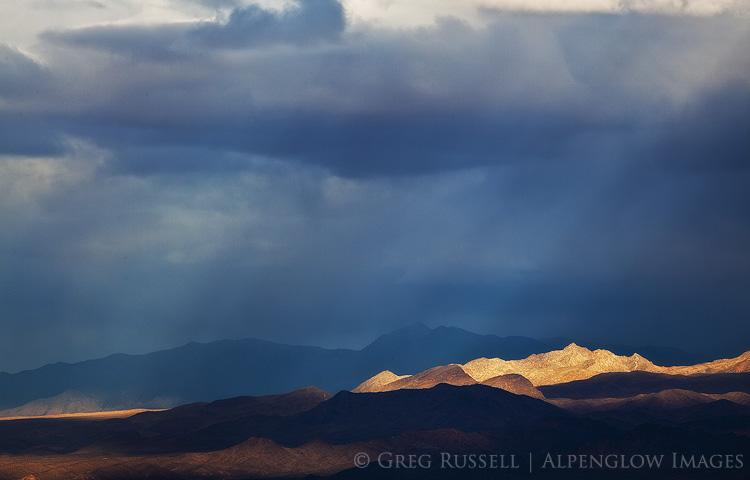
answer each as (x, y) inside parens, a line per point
(665, 399)
(291, 420)
(308, 432)
(628, 384)
(514, 383)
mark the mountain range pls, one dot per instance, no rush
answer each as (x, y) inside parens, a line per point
(229, 368)
(308, 432)
(556, 367)
(569, 403)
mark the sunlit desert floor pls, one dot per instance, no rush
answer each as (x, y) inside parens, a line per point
(90, 416)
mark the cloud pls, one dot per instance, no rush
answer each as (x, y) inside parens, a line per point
(709, 134)
(308, 22)
(479, 12)
(160, 43)
(20, 75)
(382, 102)
(258, 173)
(578, 248)
(304, 23)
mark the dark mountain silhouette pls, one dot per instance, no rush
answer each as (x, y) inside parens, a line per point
(158, 431)
(196, 416)
(417, 347)
(663, 400)
(367, 416)
(514, 383)
(229, 368)
(629, 384)
(302, 433)
(290, 420)
(720, 416)
(194, 372)
(351, 417)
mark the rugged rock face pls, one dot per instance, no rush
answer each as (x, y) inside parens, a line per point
(578, 363)
(559, 366)
(571, 363)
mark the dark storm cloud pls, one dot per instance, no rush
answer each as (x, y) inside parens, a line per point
(526, 87)
(310, 21)
(22, 81)
(160, 43)
(280, 174)
(20, 75)
(359, 146)
(712, 133)
(23, 134)
(303, 24)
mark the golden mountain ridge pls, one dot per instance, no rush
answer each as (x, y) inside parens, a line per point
(571, 363)
(452, 374)
(738, 364)
(378, 382)
(559, 366)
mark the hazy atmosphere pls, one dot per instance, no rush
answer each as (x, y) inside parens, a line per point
(322, 172)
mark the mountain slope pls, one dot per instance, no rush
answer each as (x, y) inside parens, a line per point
(70, 401)
(194, 372)
(578, 363)
(629, 384)
(514, 383)
(418, 347)
(283, 436)
(566, 366)
(378, 382)
(663, 356)
(669, 399)
(229, 368)
(449, 374)
(571, 363)
(290, 420)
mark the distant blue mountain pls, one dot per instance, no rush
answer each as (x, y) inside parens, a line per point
(229, 368)
(417, 347)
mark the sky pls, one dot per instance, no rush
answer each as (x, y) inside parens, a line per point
(322, 172)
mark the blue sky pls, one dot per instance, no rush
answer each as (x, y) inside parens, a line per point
(321, 172)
